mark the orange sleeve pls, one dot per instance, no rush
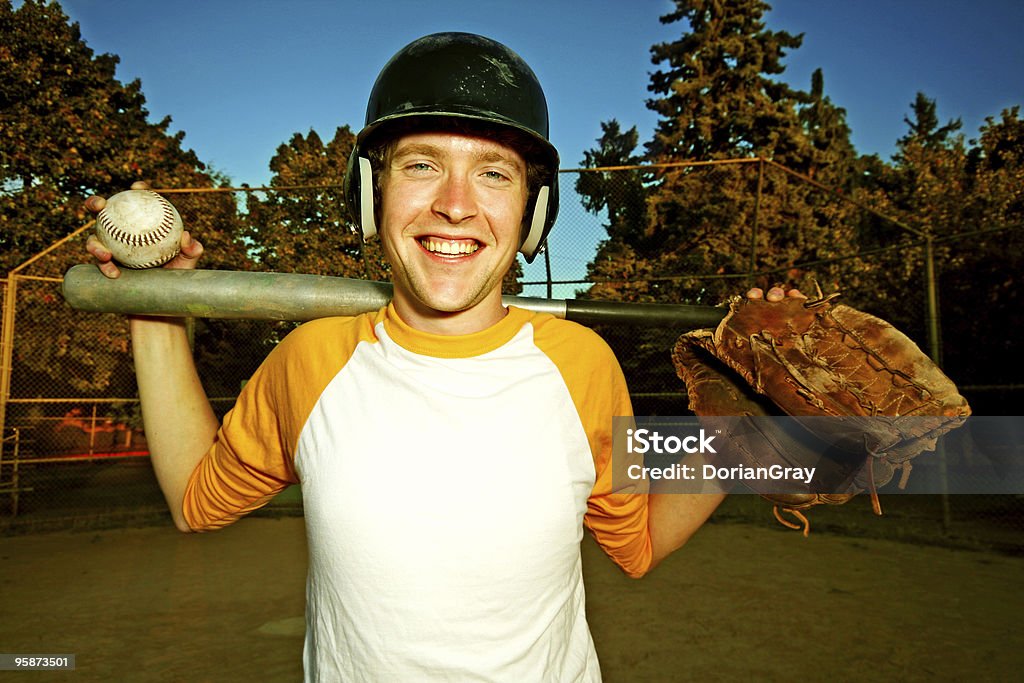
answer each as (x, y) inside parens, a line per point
(253, 455)
(617, 517)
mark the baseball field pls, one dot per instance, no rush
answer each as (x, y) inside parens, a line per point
(740, 601)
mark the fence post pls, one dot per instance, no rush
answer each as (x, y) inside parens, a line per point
(935, 352)
(757, 215)
(932, 294)
(7, 345)
(547, 270)
(13, 485)
(15, 479)
(92, 432)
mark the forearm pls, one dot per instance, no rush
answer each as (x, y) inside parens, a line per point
(674, 517)
(179, 422)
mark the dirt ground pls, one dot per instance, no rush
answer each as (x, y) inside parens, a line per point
(739, 602)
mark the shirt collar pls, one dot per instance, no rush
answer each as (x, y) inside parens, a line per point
(453, 346)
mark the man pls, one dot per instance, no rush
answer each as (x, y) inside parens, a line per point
(450, 450)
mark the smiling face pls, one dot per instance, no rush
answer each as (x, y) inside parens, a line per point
(451, 216)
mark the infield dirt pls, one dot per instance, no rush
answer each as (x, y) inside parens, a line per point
(739, 602)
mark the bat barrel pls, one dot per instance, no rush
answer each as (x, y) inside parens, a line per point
(299, 297)
(221, 294)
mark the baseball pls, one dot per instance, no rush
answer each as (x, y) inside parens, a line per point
(140, 228)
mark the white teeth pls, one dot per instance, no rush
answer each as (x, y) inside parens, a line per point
(451, 248)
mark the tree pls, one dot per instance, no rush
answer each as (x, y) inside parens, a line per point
(831, 154)
(925, 189)
(996, 168)
(69, 129)
(929, 184)
(982, 297)
(693, 233)
(307, 229)
(924, 127)
(716, 95)
(621, 196)
(720, 101)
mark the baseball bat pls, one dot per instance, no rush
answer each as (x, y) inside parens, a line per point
(289, 296)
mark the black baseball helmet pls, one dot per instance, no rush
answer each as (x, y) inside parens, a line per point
(458, 75)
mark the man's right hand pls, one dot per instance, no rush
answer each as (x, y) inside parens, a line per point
(187, 259)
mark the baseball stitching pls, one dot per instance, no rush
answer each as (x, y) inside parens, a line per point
(154, 263)
(147, 237)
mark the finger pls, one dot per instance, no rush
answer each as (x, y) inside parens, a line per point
(189, 254)
(775, 294)
(97, 249)
(95, 203)
(796, 294)
(141, 185)
(755, 293)
(109, 269)
(191, 248)
(103, 258)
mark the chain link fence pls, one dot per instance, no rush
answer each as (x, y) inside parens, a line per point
(74, 449)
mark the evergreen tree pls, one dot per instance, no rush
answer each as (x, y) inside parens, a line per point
(620, 195)
(618, 192)
(691, 234)
(831, 154)
(720, 99)
(924, 127)
(925, 189)
(929, 184)
(983, 292)
(716, 95)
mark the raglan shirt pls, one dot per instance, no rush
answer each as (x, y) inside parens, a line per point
(446, 482)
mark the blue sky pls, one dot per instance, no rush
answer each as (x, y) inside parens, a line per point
(240, 77)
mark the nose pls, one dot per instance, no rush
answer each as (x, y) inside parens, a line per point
(455, 200)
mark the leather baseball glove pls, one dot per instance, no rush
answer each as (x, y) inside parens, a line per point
(864, 398)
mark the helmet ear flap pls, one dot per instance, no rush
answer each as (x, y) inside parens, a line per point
(538, 223)
(367, 220)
